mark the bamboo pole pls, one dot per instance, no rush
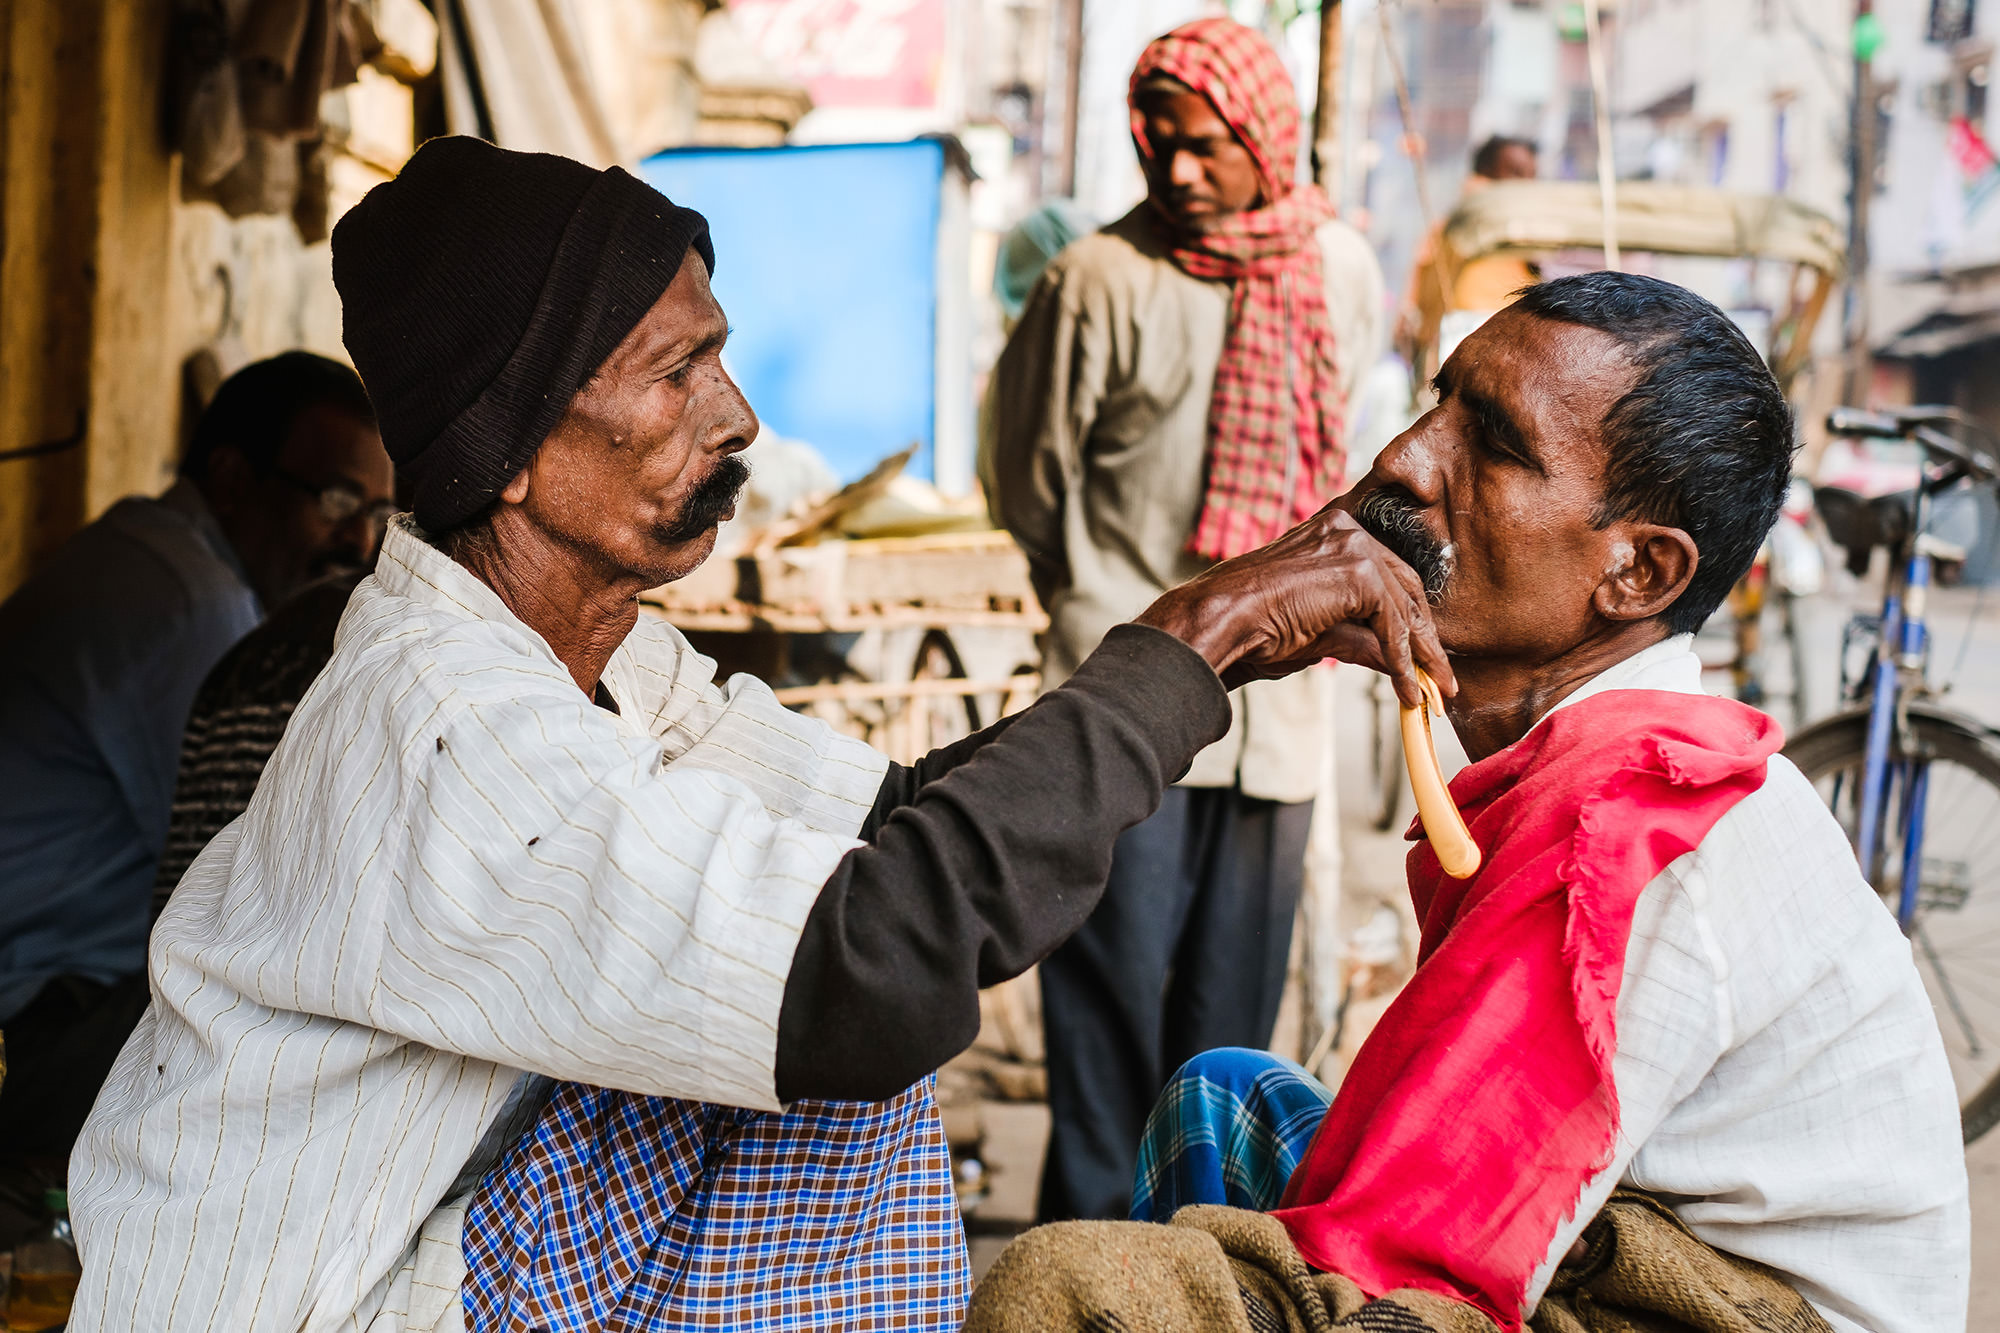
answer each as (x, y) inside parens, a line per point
(1607, 172)
(1862, 153)
(1326, 110)
(1072, 86)
(1413, 144)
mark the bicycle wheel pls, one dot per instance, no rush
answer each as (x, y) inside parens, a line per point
(1956, 932)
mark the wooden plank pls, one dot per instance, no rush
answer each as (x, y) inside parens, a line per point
(743, 619)
(858, 691)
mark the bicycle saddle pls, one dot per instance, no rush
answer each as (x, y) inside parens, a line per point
(1858, 523)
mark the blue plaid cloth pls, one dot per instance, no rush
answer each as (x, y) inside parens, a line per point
(1230, 1128)
(624, 1213)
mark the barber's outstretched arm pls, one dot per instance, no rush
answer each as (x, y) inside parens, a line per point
(999, 860)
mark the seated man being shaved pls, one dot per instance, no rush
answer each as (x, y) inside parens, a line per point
(1667, 976)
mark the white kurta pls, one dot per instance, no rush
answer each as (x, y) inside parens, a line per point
(456, 868)
(1781, 1081)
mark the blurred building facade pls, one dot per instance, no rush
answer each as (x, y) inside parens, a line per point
(1934, 312)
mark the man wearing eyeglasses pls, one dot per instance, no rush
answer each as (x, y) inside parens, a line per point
(101, 653)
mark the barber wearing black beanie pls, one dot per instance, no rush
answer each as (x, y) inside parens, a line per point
(480, 289)
(546, 365)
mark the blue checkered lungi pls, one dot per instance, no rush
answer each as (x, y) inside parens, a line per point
(625, 1213)
(1230, 1128)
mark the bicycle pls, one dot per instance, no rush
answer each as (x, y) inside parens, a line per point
(1916, 785)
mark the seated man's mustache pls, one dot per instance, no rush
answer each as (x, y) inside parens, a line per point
(1393, 517)
(711, 500)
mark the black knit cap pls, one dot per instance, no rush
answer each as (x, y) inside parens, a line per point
(480, 289)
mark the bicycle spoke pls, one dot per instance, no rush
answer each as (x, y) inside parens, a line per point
(1977, 949)
(1978, 982)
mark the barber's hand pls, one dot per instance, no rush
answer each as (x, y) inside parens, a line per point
(1324, 589)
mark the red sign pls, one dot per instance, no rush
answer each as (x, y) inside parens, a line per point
(851, 53)
(1971, 152)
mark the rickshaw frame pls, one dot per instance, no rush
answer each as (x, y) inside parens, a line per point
(1529, 218)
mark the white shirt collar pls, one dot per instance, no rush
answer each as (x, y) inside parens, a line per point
(410, 566)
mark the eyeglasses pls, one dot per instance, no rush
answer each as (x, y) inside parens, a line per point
(340, 501)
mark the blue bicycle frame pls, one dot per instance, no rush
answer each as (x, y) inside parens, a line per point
(1899, 659)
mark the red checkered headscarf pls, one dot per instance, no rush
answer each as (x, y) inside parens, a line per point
(1277, 383)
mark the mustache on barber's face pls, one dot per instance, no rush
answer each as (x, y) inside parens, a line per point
(711, 501)
(1392, 516)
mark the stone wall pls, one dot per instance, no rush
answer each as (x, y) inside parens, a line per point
(111, 282)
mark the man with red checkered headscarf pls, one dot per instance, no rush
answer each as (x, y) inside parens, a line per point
(1175, 394)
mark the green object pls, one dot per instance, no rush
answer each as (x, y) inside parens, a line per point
(1027, 249)
(56, 1201)
(1868, 36)
(1569, 22)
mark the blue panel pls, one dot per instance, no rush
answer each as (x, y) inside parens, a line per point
(826, 264)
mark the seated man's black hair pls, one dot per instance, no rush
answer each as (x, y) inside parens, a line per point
(1703, 439)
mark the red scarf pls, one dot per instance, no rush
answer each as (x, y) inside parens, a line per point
(1482, 1104)
(1276, 439)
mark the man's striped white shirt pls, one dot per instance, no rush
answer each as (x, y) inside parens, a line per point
(456, 869)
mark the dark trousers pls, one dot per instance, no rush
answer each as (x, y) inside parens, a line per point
(1186, 953)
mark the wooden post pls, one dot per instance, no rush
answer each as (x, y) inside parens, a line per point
(87, 390)
(1413, 143)
(1320, 943)
(1861, 194)
(50, 131)
(134, 373)
(1072, 86)
(1326, 109)
(1607, 164)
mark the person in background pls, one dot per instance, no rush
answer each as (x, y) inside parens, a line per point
(101, 653)
(239, 715)
(1027, 248)
(1481, 285)
(1174, 394)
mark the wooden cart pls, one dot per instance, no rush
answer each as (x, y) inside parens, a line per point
(873, 635)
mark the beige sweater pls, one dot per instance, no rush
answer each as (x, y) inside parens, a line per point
(1092, 454)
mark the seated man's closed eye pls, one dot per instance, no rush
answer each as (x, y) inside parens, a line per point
(1667, 977)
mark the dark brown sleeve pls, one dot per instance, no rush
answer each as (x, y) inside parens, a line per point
(900, 785)
(986, 869)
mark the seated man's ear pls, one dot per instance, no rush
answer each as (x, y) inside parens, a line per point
(1650, 567)
(517, 489)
